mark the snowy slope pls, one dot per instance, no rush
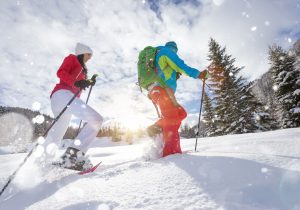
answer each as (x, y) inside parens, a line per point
(250, 171)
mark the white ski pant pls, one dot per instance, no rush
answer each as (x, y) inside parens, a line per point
(79, 109)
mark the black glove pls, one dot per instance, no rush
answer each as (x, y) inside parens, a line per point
(82, 84)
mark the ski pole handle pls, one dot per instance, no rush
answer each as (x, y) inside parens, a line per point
(94, 76)
(92, 81)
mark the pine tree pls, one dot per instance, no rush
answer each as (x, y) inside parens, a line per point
(235, 105)
(208, 116)
(184, 131)
(296, 93)
(116, 133)
(187, 132)
(263, 119)
(286, 85)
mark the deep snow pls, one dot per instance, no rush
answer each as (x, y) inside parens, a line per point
(249, 171)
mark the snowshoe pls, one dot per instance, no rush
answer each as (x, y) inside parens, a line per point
(74, 159)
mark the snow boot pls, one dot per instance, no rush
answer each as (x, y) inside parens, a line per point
(154, 130)
(74, 159)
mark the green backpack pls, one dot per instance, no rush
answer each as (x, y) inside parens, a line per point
(147, 71)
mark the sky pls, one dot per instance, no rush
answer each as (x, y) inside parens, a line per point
(39, 34)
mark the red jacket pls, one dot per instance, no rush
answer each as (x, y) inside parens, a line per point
(69, 72)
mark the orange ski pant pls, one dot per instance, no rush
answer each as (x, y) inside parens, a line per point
(170, 120)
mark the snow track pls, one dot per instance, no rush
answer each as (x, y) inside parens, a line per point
(251, 171)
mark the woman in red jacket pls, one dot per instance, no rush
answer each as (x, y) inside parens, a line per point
(73, 77)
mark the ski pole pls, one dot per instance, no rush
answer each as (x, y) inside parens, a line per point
(200, 115)
(11, 177)
(87, 100)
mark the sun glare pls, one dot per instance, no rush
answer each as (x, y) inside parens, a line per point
(134, 123)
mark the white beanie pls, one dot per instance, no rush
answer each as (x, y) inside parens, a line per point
(82, 49)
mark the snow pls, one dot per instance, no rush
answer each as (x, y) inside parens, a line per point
(41, 140)
(36, 106)
(218, 2)
(295, 110)
(39, 119)
(282, 74)
(258, 171)
(275, 87)
(39, 151)
(267, 23)
(77, 142)
(296, 92)
(253, 28)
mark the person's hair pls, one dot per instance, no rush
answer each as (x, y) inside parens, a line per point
(80, 59)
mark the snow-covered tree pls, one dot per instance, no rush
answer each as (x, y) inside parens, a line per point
(184, 130)
(287, 85)
(262, 116)
(235, 105)
(296, 93)
(263, 90)
(208, 116)
(187, 131)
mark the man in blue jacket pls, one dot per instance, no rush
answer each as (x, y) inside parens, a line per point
(169, 67)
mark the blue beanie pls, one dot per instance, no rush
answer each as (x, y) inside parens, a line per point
(172, 45)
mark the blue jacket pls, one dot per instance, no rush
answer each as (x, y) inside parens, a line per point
(168, 63)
